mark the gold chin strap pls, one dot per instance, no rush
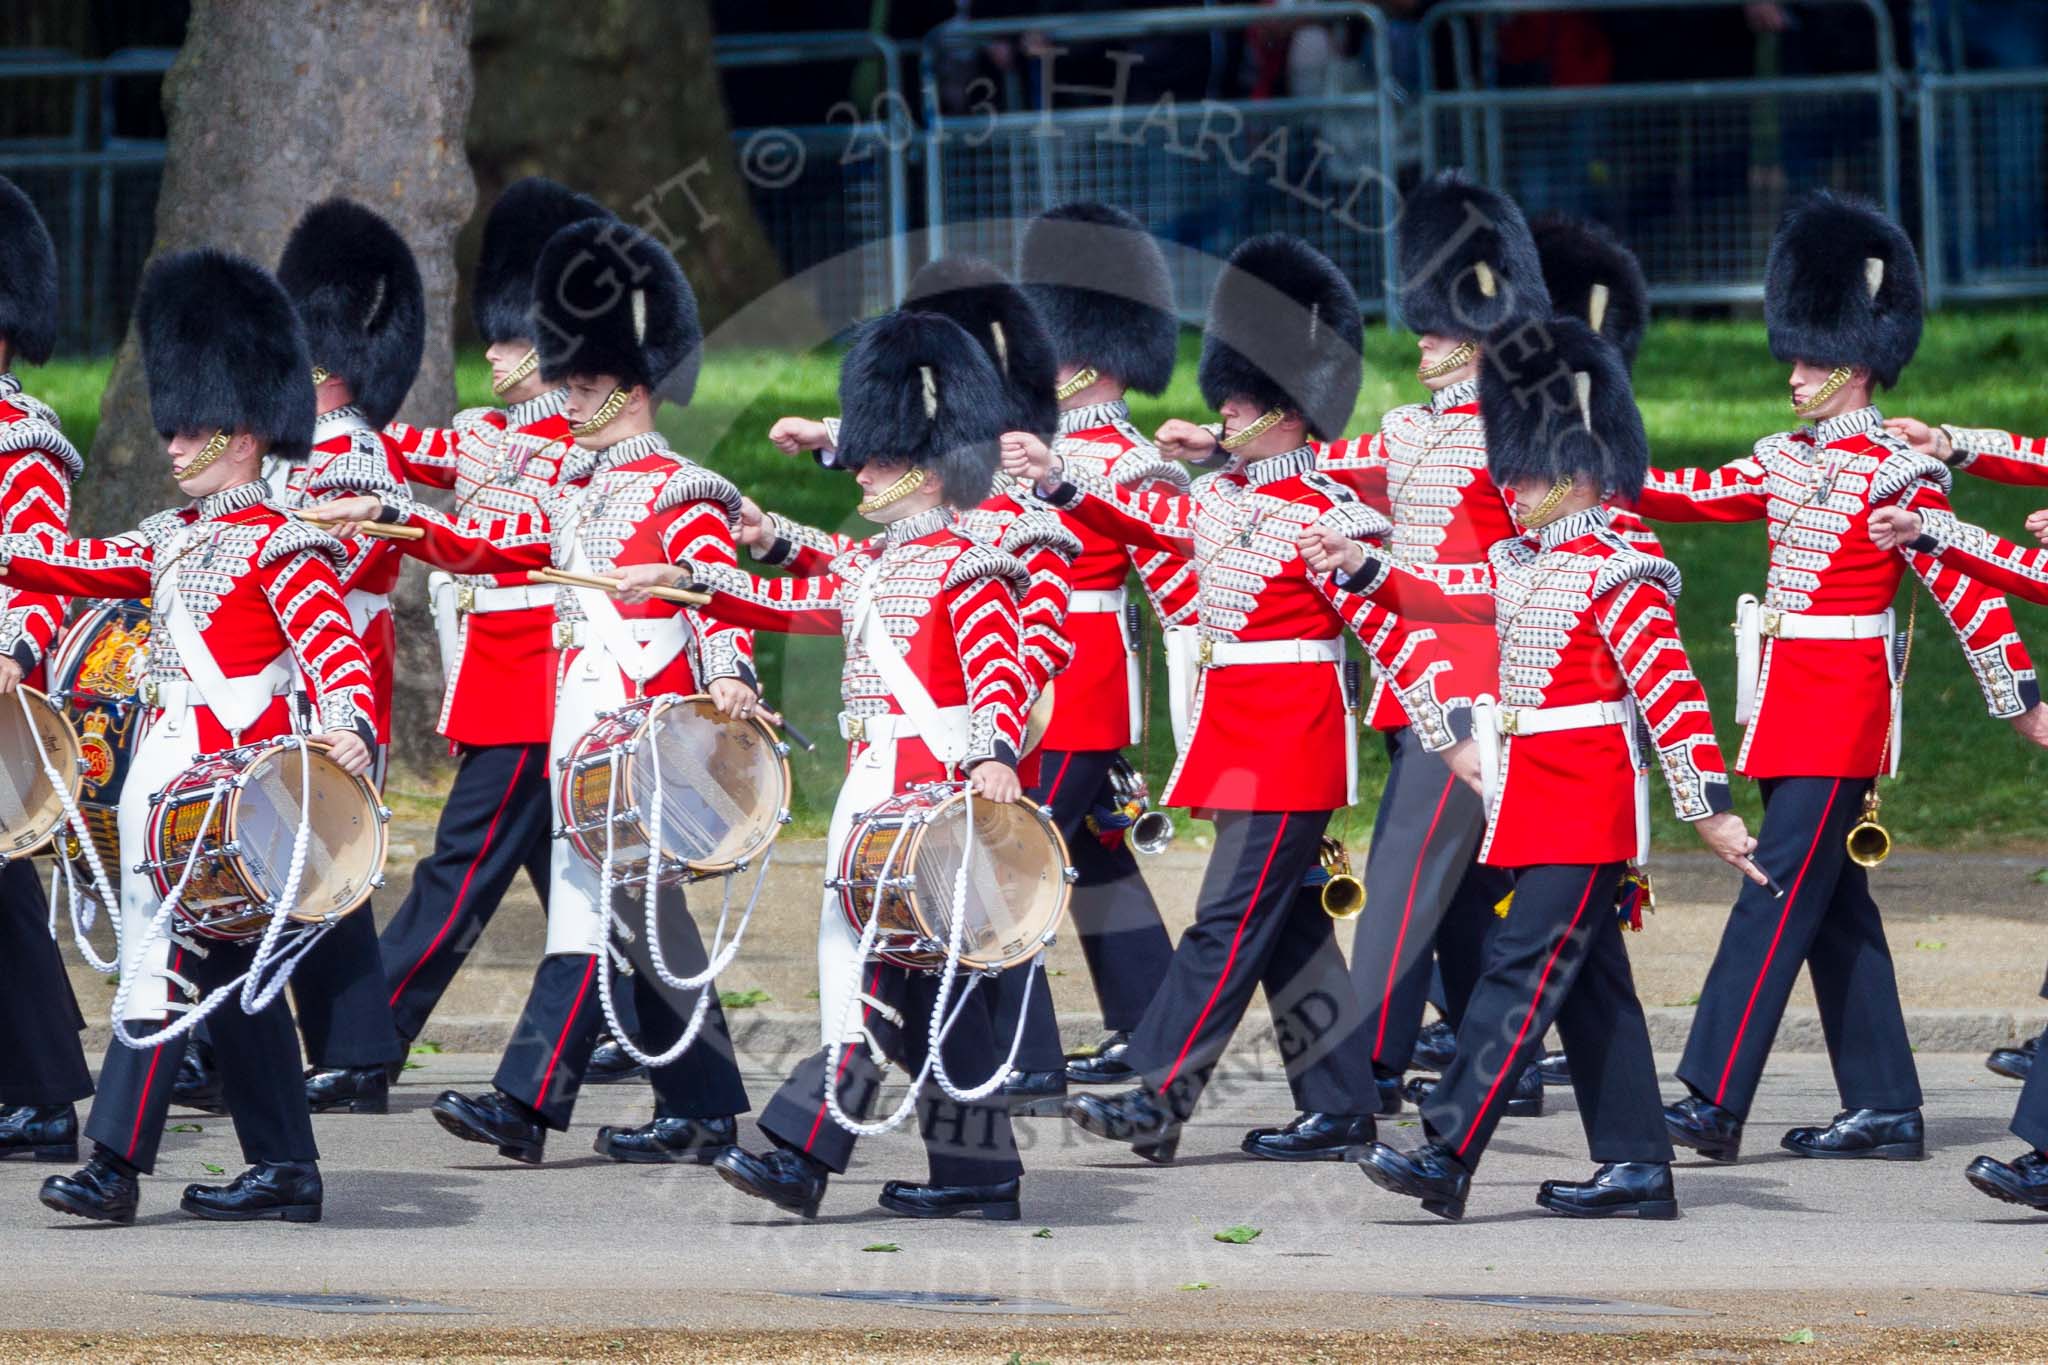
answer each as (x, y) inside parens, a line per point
(1828, 389)
(1265, 422)
(1461, 355)
(517, 374)
(912, 480)
(1081, 379)
(215, 447)
(602, 418)
(1544, 512)
(320, 376)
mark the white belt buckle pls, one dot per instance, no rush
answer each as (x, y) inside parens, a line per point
(1771, 624)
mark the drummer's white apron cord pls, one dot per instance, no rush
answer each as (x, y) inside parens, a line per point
(81, 922)
(259, 989)
(193, 1014)
(838, 1046)
(942, 1022)
(721, 954)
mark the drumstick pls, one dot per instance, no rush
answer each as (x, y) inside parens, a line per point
(781, 722)
(613, 585)
(377, 529)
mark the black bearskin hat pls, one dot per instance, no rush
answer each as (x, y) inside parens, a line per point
(1001, 318)
(1284, 330)
(1591, 276)
(222, 349)
(1468, 264)
(357, 290)
(1842, 287)
(609, 299)
(528, 213)
(28, 277)
(1102, 287)
(1556, 403)
(916, 387)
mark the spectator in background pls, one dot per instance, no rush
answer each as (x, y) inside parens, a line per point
(2012, 183)
(1561, 49)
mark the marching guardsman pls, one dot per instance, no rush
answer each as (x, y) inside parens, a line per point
(1272, 753)
(1818, 681)
(246, 613)
(496, 630)
(618, 351)
(1589, 651)
(935, 687)
(43, 1072)
(1468, 266)
(356, 288)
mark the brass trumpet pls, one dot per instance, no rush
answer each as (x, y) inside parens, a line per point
(1151, 831)
(1343, 894)
(1870, 843)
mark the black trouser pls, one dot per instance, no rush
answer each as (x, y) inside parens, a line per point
(1557, 958)
(339, 996)
(1256, 924)
(544, 1064)
(1826, 920)
(2030, 1115)
(259, 1070)
(1122, 937)
(41, 1059)
(965, 1144)
(1422, 891)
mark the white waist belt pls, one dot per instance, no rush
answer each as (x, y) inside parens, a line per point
(1098, 600)
(363, 604)
(479, 600)
(183, 694)
(890, 729)
(1543, 720)
(1215, 653)
(1800, 625)
(641, 630)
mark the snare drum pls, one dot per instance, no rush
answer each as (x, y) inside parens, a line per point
(724, 789)
(31, 810)
(1017, 883)
(94, 672)
(245, 851)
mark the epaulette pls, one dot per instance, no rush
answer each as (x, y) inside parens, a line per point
(1347, 514)
(1040, 530)
(362, 468)
(291, 536)
(692, 482)
(36, 434)
(979, 561)
(1143, 464)
(1628, 564)
(1902, 466)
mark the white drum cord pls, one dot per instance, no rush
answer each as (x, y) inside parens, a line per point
(901, 1114)
(270, 969)
(952, 970)
(74, 819)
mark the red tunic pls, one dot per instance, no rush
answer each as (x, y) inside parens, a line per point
(2001, 456)
(1582, 618)
(1268, 735)
(260, 586)
(37, 466)
(500, 463)
(1426, 471)
(2021, 570)
(1823, 706)
(948, 601)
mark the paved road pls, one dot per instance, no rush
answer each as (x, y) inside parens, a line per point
(1774, 1244)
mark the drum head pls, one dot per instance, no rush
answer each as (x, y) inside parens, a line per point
(344, 848)
(30, 809)
(1016, 880)
(724, 784)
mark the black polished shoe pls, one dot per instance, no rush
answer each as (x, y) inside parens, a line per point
(1035, 1094)
(1311, 1137)
(997, 1203)
(494, 1119)
(1109, 1064)
(354, 1089)
(1429, 1173)
(694, 1141)
(45, 1132)
(2014, 1063)
(198, 1082)
(1620, 1189)
(1436, 1047)
(1135, 1116)
(1388, 1091)
(98, 1190)
(788, 1180)
(611, 1064)
(2024, 1181)
(1870, 1134)
(1715, 1133)
(1554, 1068)
(274, 1189)
(1524, 1102)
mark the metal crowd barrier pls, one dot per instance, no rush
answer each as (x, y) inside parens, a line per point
(1984, 184)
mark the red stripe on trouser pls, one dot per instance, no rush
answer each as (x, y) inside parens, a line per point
(1379, 1038)
(845, 1056)
(1059, 777)
(148, 1077)
(462, 892)
(540, 1097)
(1785, 914)
(1523, 1032)
(1231, 957)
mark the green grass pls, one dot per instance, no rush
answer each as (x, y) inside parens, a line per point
(1708, 391)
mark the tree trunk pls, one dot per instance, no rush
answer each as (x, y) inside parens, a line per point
(272, 108)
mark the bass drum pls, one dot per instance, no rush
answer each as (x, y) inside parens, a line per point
(34, 738)
(902, 863)
(95, 672)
